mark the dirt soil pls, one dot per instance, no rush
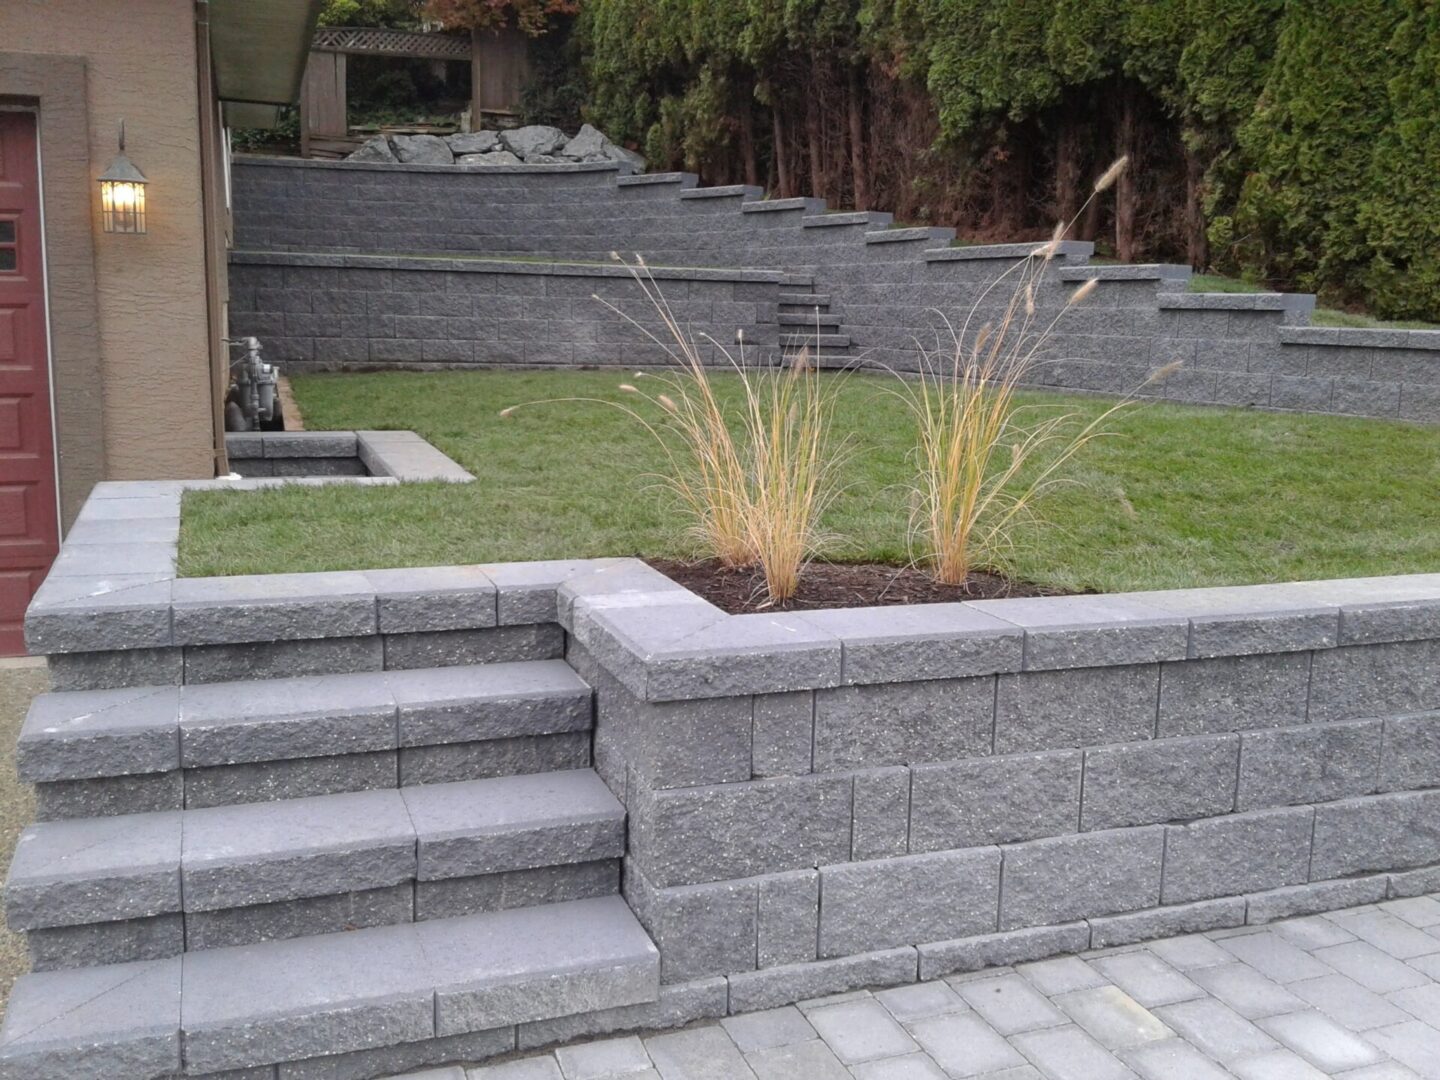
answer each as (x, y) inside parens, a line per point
(19, 683)
(837, 585)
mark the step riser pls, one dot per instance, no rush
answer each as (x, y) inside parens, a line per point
(157, 937)
(296, 778)
(175, 665)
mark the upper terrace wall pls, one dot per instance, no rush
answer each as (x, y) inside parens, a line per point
(880, 289)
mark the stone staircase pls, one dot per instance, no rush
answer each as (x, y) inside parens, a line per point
(336, 874)
(807, 321)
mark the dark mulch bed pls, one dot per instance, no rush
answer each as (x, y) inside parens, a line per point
(838, 585)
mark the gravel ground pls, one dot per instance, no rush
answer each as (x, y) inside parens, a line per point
(19, 682)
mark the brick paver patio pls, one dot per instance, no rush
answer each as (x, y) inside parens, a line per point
(1352, 995)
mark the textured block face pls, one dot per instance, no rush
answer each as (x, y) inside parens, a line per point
(121, 1020)
(281, 659)
(889, 902)
(1112, 930)
(1411, 757)
(1046, 710)
(271, 607)
(866, 726)
(494, 757)
(995, 800)
(515, 888)
(127, 941)
(299, 918)
(1007, 947)
(128, 667)
(788, 918)
(266, 781)
(106, 795)
(418, 599)
(99, 733)
(795, 982)
(1164, 780)
(740, 830)
(683, 743)
(1234, 693)
(441, 648)
(1315, 763)
(701, 930)
(783, 733)
(1384, 832)
(1357, 681)
(391, 1060)
(1064, 878)
(678, 1004)
(469, 704)
(1240, 853)
(881, 814)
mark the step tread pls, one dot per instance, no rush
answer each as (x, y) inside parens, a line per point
(72, 735)
(254, 1005)
(91, 870)
(808, 320)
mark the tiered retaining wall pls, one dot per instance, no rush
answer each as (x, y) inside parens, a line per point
(880, 287)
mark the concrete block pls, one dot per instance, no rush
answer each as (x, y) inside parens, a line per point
(441, 648)
(920, 642)
(1157, 781)
(270, 851)
(994, 800)
(91, 944)
(1238, 853)
(272, 607)
(941, 958)
(1169, 921)
(1310, 764)
(312, 716)
(1091, 631)
(114, 611)
(66, 873)
(903, 901)
(1234, 693)
(677, 1005)
(1263, 632)
(450, 897)
(281, 659)
(525, 591)
(1409, 883)
(732, 831)
(881, 823)
(330, 914)
(1292, 900)
(1411, 753)
(298, 778)
(776, 986)
(1375, 680)
(782, 733)
(1046, 710)
(453, 762)
(513, 823)
(471, 1046)
(902, 723)
(105, 795)
(787, 918)
(745, 654)
(99, 733)
(119, 668)
(473, 703)
(701, 930)
(1061, 879)
(415, 599)
(1401, 620)
(1380, 833)
(118, 1020)
(501, 967)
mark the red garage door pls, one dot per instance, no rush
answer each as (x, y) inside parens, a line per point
(29, 526)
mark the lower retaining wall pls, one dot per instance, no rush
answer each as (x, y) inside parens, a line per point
(353, 312)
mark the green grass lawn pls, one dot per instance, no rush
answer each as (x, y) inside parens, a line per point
(1177, 497)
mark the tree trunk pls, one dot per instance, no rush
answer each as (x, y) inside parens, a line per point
(1126, 211)
(815, 136)
(1069, 167)
(747, 143)
(1197, 243)
(857, 140)
(782, 149)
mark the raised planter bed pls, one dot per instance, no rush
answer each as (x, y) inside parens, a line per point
(965, 784)
(401, 455)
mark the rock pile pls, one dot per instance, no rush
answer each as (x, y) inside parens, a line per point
(536, 144)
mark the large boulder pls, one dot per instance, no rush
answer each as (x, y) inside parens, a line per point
(496, 157)
(374, 149)
(422, 150)
(588, 144)
(625, 157)
(547, 159)
(473, 142)
(532, 139)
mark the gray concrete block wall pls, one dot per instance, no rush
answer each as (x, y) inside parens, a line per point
(887, 294)
(409, 314)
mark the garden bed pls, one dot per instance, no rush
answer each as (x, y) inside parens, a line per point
(1180, 497)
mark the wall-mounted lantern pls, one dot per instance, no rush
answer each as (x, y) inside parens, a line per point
(122, 194)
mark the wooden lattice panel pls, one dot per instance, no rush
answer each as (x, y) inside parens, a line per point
(361, 39)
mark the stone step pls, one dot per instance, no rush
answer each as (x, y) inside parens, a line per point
(254, 1006)
(823, 341)
(808, 320)
(805, 300)
(126, 751)
(790, 281)
(297, 866)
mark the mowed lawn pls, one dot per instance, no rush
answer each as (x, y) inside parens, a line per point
(1175, 497)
